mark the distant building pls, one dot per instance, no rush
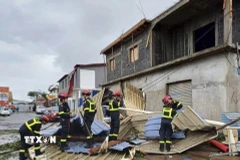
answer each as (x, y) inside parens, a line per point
(87, 76)
(4, 96)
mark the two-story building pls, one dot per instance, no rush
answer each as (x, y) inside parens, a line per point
(87, 76)
(189, 51)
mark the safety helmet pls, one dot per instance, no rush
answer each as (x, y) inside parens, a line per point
(167, 100)
(86, 92)
(45, 118)
(116, 93)
(62, 95)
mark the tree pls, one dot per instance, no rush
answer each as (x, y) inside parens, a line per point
(33, 94)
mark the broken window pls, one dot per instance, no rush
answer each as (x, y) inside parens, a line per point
(133, 54)
(204, 37)
(112, 64)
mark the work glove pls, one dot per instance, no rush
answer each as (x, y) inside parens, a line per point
(38, 153)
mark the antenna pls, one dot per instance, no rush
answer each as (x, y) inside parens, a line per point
(141, 10)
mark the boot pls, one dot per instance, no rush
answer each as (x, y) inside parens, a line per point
(168, 147)
(64, 147)
(38, 153)
(89, 144)
(22, 156)
(161, 148)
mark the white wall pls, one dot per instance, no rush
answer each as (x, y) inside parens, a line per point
(87, 79)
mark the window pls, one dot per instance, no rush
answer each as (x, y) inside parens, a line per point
(204, 37)
(66, 83)
(112, 64)
(62, 84)
(133, 54)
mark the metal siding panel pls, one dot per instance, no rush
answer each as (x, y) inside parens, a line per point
(182, 92)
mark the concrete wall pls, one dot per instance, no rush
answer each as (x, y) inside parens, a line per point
(233, 86)
(121, 55)
(209, 85)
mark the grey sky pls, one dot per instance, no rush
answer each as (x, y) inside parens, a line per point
(41, 40)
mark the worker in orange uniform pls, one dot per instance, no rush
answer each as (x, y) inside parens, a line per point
(89, 108)
(65, 115)
(31, 128)
(114, 103)
(168, 113)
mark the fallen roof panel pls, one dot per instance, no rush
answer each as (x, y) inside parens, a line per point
(199, 131)
(193, 139)
(188, 119)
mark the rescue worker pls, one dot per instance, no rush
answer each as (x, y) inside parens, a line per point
(31, 128)
(114, 104)
(64, 113)
(175, 104)
(168, 113)
(89, 108)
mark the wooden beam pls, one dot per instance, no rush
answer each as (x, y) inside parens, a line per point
(135, 110)
(227, 18)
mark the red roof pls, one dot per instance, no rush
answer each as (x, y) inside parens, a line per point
(4, 89)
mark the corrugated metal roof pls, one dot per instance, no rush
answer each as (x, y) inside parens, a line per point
(121, 146)
(228, 117)
(178, 146)
(97, 127)
(199, 132)
(152, 128)
(188, 119)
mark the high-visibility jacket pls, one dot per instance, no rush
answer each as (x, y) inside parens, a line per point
(64, 110)
(168, 113)
(89, 105)
(177, 105)
(114, 105)
(34, 125)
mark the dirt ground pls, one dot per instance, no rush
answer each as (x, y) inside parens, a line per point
(200, 152)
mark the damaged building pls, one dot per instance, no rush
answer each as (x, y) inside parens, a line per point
(189, 51)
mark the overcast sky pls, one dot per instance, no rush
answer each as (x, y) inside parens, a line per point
(41, 40)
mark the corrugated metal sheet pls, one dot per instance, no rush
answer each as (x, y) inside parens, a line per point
(188, 119)
(152, 128)
(193, 139)
(121, 146)
(199, 132)
(181, 92)
(228, 117)
(97, 127)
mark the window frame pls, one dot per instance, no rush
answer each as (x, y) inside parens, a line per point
(133, 51)
(110, 67)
